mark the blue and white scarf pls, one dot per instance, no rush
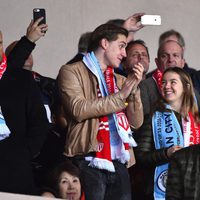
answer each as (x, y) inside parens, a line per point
(4, 130)
(166, 132)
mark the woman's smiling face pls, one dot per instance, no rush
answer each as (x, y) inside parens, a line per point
(69, 187)
(172, 88)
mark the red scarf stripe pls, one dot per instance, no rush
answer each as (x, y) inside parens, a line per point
(3, 65)
(157, 76)
(195, 131)
(103, 124)
(103, 135)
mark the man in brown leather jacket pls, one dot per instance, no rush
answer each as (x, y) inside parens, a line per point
(95, 100)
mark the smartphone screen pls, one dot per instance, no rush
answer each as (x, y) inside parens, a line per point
(151, 20)
(39, 12)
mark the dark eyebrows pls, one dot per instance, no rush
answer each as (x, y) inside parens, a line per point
(173, 79)
(123, 42)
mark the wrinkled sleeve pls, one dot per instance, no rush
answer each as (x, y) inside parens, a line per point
(145, 97)
(20, 53)
(174, 189)
(77, 103)
(134, 111)
(37, 122)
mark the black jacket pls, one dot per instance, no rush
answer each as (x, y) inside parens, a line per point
(25, 116)
(184, 175)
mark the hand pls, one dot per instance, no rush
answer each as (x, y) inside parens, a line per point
(127, 86)
(132, 81)
(35, 31)
(173, 149)
(137, 74)
(132, 23)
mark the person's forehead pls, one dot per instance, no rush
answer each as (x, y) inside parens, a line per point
(121, 37)
(66, 174)
(172, 46)
(136, 47)
(171, 37)
(171, 75)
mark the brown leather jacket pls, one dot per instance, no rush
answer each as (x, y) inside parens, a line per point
(78, 88)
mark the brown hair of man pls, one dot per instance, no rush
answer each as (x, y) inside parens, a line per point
(107, 31)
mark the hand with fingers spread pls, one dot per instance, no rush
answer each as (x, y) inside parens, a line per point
(36, 31)
(132, 23)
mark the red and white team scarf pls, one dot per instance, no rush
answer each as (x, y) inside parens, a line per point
(191, 131)
(3, 65)
(157, 76)
(103, 160)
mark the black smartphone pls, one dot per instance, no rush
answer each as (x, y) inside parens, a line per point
(39, 12)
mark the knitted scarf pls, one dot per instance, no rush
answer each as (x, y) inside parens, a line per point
(157, 76)
(167, 132)
(4, 130)
(191, 131)
(106, 86)
(83, 196)
(3, 65)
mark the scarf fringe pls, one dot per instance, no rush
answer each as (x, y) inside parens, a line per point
(102, 164)
(125, 156)
(128, 138)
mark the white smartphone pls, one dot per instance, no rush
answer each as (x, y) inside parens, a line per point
(151, 20)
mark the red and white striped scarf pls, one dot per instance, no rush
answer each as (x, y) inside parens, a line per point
(103, 159)
(3, 65)
(191, 131)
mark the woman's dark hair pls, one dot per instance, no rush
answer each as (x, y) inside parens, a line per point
(107, 31)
